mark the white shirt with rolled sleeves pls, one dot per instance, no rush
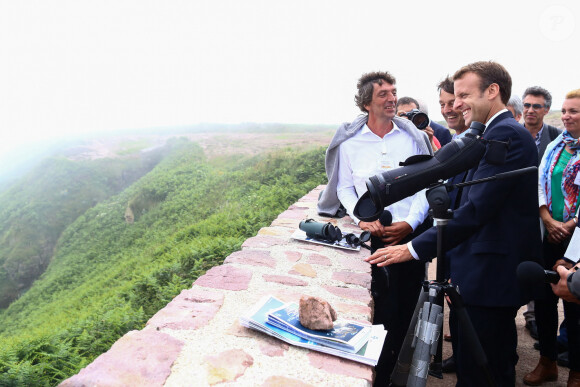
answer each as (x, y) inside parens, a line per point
(365, 155)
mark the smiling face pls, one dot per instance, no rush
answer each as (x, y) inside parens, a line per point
(571, 116)
(382, 106)
(453, 117)
(473, 103)
(534, 117)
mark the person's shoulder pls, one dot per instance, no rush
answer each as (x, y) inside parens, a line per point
(348, 130)
(437, 126)
(407, 126)
(441, 132)
(553, 132)
(355, 125)
(507, 121)
(510, 128)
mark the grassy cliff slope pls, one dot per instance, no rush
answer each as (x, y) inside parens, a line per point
(128, 256)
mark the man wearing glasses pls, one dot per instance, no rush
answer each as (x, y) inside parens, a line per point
(537, 102)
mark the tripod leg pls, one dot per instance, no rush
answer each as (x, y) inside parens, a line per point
(470, 335)
(401, 372)
(436, 367)
(427, 339)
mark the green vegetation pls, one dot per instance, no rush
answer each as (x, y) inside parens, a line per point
(109, 275)
(132, 146)
(35, 211)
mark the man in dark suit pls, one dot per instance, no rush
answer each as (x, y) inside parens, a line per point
(494, 229)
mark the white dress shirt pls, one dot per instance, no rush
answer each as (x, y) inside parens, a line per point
(365, 155)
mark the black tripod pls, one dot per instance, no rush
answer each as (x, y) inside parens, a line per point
(423, 336)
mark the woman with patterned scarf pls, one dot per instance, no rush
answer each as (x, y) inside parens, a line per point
(558, 188)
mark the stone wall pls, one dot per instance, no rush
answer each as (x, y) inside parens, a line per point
(196, 339)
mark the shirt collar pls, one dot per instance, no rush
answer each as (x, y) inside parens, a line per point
(494, 117)
(366, 129)
(539, 134)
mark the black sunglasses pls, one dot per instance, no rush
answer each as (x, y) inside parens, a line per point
(535, 106)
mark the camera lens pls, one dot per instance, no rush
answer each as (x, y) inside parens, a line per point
(420, 120)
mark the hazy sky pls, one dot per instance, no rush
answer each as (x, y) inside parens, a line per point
(77, 66)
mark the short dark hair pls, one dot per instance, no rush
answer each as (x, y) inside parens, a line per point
(407, 101)
(538, 91)
(365, 87)
(489, 72)
(446, 85)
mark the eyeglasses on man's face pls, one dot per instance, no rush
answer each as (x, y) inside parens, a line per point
(535, 106)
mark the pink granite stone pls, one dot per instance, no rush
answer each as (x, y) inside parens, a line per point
(286, 294)
(288, 223)
(272, 347)
(284, 280)
(354, 263)
(313, 195)
(308, 199)
(362, 295)
(349, 277)
(297, 207)
(303, 269)
(345, 309)
(140, 358)
(283, 381)
(263, 242)
(252, 257)
(318, 259)
(293, 214)
(227, 366)
(311, 246)
(337, 365)
(191, 309)
(225, 277)
(276, 231)
(293, 256)
(239, 330)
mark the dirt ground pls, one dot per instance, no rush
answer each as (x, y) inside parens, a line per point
(214, 144)
(528, 355)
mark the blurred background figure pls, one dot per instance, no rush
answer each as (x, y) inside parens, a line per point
(516, 106)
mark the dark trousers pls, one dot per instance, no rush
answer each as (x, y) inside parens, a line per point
(496, 330)
(547, 314)
(395, 294)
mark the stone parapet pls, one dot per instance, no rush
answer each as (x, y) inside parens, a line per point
(196, 339)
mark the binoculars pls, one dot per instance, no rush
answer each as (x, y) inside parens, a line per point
(328, 232)
(317, 230)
